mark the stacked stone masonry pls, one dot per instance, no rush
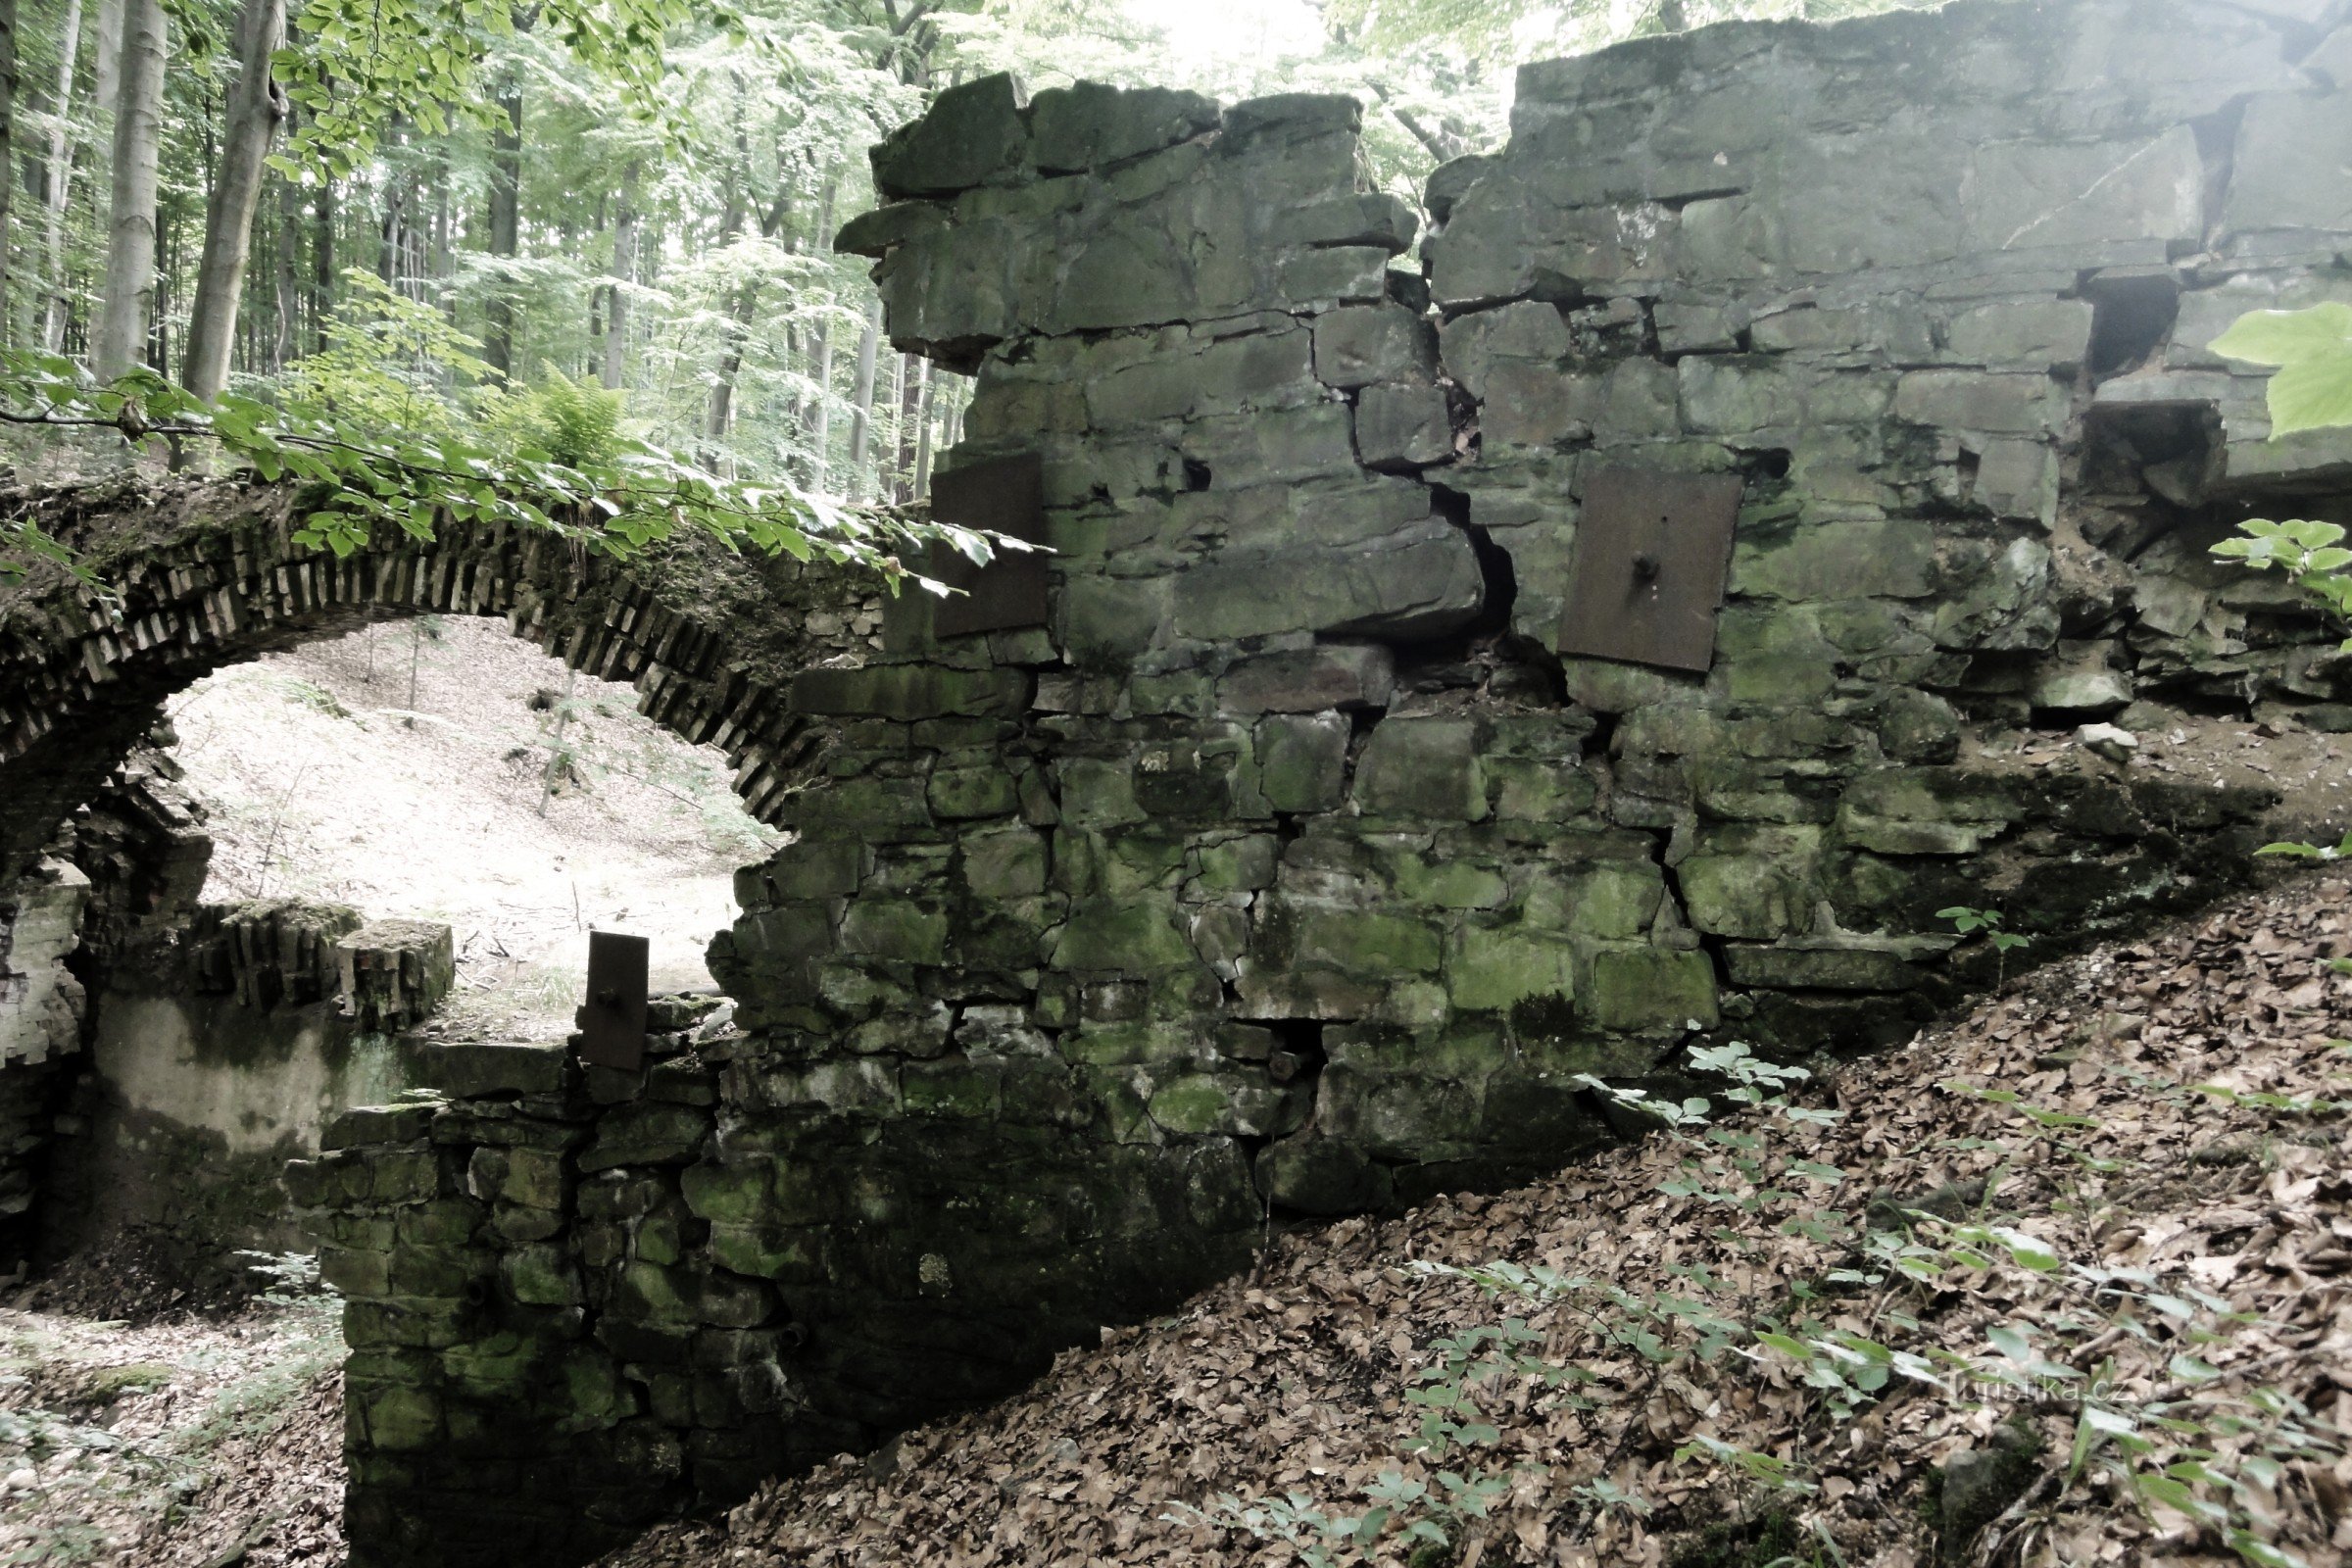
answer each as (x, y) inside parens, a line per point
(1287, 873)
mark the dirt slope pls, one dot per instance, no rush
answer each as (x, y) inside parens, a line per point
(329, 774)
(2155, 1267)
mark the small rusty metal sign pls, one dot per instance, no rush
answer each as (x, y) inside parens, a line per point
(612, 1020)
(1652, 553)
(1006, 496)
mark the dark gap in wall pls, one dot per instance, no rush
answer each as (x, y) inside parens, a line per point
(1195, 474)
(1969, 466)
(2168, 450)
(2130, 319)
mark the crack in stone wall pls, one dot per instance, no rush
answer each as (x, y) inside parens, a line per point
(1287, 873)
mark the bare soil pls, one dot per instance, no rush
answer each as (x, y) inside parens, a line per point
(416, 769)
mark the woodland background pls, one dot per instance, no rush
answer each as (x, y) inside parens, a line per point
(548, 224)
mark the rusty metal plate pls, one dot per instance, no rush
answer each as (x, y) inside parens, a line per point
(1006, 496)
(1652, 551)
(612, 1020)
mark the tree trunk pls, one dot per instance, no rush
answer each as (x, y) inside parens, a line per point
(60, 181)
(130, 298)
(921, 486)
(910, 406)
(624, 277)
(8, 122)
(106, 60)
(255, 107)
(505, 229)
(862, 397)
(323, 263)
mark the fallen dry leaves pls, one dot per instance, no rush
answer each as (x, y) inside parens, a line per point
(2096, 1145)
(185, 1442)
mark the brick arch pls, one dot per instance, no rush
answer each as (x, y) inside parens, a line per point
(208, 574)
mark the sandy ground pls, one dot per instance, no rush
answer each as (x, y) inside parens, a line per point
(402, 769)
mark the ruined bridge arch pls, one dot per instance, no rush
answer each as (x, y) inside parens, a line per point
(208, 574)
(1280, 874)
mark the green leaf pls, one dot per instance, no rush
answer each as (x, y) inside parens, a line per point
(2281, 338)
(2311, 395)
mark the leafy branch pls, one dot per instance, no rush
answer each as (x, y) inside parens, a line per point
(615, 500)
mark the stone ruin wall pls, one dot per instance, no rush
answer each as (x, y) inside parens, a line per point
(1288, 871)
(109, 972)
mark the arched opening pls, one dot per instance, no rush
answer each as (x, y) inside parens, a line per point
(426, 792)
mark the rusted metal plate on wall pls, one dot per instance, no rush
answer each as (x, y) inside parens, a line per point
(1652, 551)
(612, 1020)
(1006, 496)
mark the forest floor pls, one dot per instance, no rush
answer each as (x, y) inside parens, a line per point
(185, 1439)
(2075, 1268)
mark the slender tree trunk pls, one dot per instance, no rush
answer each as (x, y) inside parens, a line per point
(255, 107)
(130, 298)
(60, 183)
(862, 397)
(820, 432)
(288, 258)
(505, 229)
(8, 124)
(910, 413)
(624, 277)
(920, 485)
(106, 59)
(821, 415)
(323, 265)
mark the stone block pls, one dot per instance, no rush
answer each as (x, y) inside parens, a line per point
(2073, 195)
(1090, 125)
(1009, 865)
(2280, 177)
(1362, 344)
(908, 692)
(1488, 970)
(1635, 989)
(1303, 761)
(1856, 559)
(2083, 681)
(1417, 582)
(1322, 1176)
(1820, 968)
(1135, 935)
(1400, 428)
(646, 1133)
(971, 134)
(1365, 943)
(895, 930)
(1305, 680)
(963, 793)
(1238, 1104)
(1528, 332)
(1751, 881)
(1996, 403)
(477, 1069)
(1425, 769)
(364, 1125)
(2023, 334)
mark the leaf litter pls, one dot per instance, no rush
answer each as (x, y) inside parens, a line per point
(2098, 1222)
